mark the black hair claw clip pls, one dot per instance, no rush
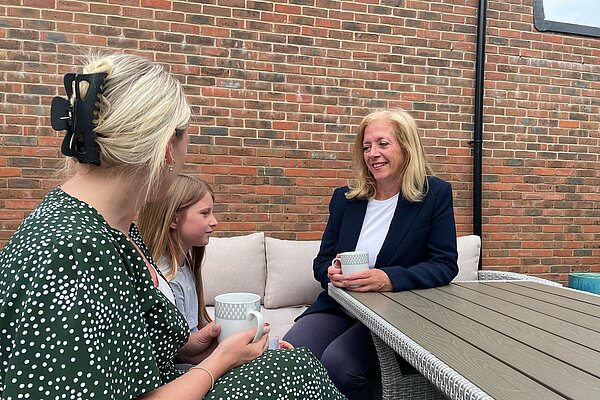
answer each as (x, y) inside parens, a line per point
(77, 120)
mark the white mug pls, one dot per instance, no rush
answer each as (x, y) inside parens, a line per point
(352, 262)
(237, 312)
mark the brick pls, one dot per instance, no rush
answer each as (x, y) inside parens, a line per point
(281, 87)
(161, 4)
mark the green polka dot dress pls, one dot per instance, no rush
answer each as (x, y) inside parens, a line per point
(277, 375)
(80, 315)
(81, 319)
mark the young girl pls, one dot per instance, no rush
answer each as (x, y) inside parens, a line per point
(176, 229)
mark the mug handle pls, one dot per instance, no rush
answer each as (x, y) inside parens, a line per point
(334, 260)
(260, 324)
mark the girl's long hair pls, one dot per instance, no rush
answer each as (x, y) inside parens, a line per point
(154, 222)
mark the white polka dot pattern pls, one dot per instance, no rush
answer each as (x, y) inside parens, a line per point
(80, 315)
(277, 374)
(81, 319)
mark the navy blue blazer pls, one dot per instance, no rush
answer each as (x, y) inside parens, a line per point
(419, 250)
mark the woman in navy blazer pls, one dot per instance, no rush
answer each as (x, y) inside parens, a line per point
(401, 215)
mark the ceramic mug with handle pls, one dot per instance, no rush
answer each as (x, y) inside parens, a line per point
(237, 312)
(353, 262)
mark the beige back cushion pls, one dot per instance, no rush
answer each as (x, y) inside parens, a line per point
(290, 279)
(235, 264)
(468, 257)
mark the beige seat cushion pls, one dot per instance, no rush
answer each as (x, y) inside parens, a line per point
(290, 280)
(235, 264)
(468, 257)
(281, 319)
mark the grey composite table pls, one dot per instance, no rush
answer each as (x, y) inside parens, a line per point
(482, 340)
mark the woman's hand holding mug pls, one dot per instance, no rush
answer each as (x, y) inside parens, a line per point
(334, 272)
(350, 262)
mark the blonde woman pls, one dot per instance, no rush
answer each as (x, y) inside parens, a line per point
(402, 216)
(82, 315)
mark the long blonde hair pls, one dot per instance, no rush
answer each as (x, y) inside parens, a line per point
(413, 179)
(154, 223)
(140, 109)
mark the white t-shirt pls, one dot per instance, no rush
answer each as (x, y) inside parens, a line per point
(376, 226)
(165, 288)
(183, 287)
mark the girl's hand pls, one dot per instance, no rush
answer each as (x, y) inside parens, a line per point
(200, 344)
(285, 345)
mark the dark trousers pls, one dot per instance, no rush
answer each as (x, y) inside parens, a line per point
(344, 346)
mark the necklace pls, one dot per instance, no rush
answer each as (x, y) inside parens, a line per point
(153, 273)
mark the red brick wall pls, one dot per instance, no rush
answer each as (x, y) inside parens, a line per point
(278, 88)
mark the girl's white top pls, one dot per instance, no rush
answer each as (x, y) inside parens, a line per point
(184, 291)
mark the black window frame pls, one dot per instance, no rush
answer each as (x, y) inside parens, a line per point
(543, 24)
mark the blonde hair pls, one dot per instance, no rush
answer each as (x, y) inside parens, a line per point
(154, 223)
(140, 109)
(413, 179)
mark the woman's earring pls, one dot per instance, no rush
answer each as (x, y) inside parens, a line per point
(171, 166)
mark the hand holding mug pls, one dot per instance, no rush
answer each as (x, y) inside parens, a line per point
(372, 280)
(238, 348)
(334, 272)
(351, 262)
(200, 344)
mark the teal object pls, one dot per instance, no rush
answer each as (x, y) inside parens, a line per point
(586, 281)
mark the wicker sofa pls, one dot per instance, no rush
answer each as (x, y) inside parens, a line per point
(280, 271)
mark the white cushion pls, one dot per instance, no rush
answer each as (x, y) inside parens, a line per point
(234, 264)
(281, 319)
(468, 257)
(290, 280)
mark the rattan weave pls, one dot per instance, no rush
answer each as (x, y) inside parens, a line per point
(436, 379)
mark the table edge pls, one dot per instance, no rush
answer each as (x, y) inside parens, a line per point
(446, 379)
